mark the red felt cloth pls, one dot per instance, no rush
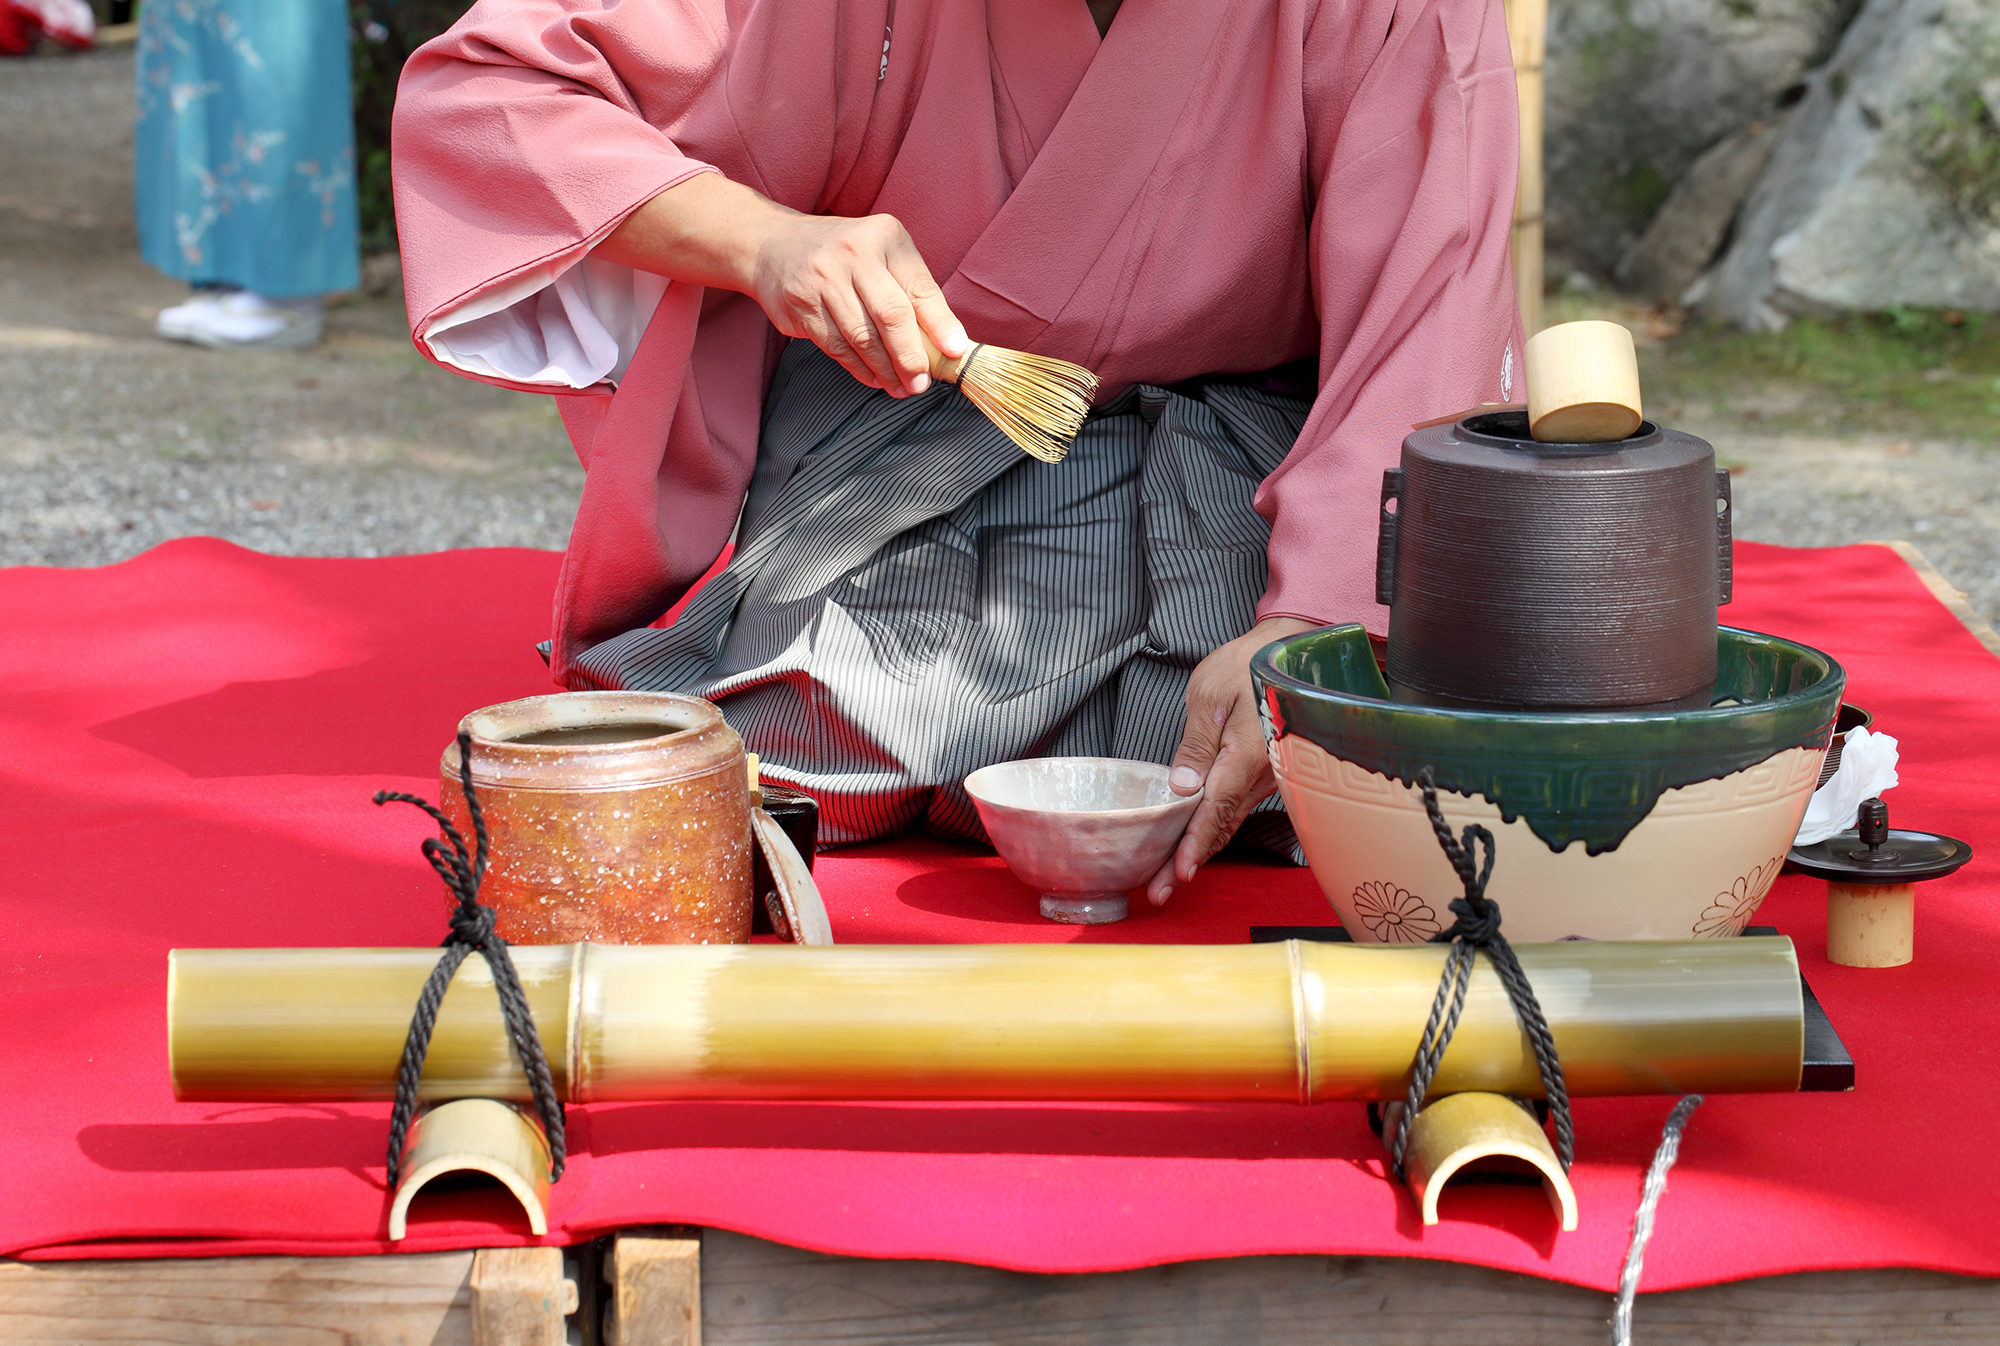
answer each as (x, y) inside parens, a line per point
(187, 746)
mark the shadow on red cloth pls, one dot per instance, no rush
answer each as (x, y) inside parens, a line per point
(265, 1137)
(371, 719)
(980, 889)
(1192, 1130)
(988, 893)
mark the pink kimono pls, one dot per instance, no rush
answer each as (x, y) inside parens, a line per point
(1215, 186)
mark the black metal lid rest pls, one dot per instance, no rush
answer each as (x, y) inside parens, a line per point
(1873, 852)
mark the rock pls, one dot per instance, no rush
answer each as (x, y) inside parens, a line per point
(1884, 188)
(1687, 231)
(1639, 89)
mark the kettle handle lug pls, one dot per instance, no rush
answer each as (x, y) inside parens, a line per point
(1390, 521)
(1725, 562)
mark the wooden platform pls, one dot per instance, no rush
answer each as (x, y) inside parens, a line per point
(680, 1287)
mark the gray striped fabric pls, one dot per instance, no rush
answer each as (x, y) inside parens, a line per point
(912, 598)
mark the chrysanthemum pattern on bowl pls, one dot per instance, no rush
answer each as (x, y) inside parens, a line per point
(1609, 825)
(1369, 839)
(1732, 910)
(1394, 915)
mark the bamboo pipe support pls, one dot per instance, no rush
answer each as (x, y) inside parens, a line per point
(1471, 1132)
(475, 1135)
(1294, 1022)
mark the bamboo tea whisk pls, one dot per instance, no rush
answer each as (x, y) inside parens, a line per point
(1039, 402)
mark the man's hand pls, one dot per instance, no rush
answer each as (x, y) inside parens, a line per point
(1222, 751)
(856, 288)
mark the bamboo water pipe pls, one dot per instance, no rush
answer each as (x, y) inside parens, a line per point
(1527, 37)
(1295, 1022)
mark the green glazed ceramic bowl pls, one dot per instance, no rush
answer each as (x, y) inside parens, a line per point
(1608, 824)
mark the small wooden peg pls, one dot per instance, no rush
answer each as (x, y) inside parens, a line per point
(656, 1292)
(1583, 383)
(1871, 924)
(520, 1297)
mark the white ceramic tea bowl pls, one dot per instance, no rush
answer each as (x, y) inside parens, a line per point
(1082, 831)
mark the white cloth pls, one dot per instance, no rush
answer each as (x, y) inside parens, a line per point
(573, 326)
(71, 22)
(1867, 768)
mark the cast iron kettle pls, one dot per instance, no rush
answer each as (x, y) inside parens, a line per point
(1522, 575)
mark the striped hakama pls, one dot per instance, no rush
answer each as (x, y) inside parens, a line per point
(911, 598)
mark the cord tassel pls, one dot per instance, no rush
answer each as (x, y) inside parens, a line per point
(1477, 927)
(462, 868)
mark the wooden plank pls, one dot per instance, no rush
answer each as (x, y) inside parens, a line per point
(656, 1297)
(1947, 593)
(519, 1297)
(1822, 1308)
(420, 1299)
(764, 1294)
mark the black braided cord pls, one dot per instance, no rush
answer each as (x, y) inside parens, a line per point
(462, 868)
(1477, 927)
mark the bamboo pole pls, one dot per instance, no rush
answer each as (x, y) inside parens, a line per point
(1295, 1022)
(1527, 34)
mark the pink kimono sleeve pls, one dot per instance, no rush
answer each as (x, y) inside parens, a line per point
(1414, 147)
(522, 137)
(529, 132)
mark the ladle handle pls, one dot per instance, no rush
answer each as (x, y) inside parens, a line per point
(1725, 557)
(1385, 536)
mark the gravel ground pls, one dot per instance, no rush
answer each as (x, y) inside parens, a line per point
(1806, 492)
(357, 449)
(112, 441)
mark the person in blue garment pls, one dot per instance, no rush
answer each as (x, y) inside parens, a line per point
(244, 161)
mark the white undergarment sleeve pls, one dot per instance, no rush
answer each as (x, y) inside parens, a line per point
(571, 326)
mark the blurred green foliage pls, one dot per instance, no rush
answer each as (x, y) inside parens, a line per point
(1640, 191)
(384, 33)
(1959, 142)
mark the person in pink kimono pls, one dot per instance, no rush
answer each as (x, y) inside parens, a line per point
(717, 230)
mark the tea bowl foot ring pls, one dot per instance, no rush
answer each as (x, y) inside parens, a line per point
(1085, 908)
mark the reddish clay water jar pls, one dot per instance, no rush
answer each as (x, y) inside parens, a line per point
(615, 817)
